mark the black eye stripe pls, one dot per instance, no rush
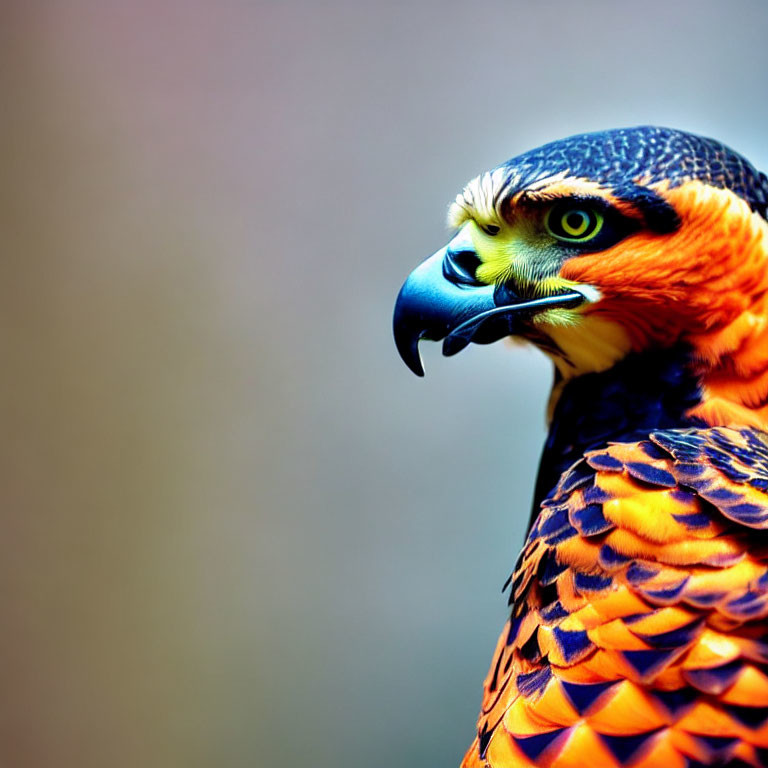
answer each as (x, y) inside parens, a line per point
(659, 215)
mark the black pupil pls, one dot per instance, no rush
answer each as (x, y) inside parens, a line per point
(575, 219)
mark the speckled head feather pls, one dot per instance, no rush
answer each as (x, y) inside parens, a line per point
(622, 160)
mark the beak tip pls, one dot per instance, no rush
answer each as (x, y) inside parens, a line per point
(407, 333)
(409, 352)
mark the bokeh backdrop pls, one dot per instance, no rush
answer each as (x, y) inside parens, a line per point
(235, 530)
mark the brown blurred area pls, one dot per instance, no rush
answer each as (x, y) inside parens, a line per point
(234, 530)
(134, 404)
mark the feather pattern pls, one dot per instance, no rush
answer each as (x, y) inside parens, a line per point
(637, 633)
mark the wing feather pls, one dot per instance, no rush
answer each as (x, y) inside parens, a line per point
(637, 632)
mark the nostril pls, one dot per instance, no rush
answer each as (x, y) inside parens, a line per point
(461, 267)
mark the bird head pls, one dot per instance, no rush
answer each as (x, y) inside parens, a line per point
(598, 246)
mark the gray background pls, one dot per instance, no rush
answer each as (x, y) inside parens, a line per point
(236, 531)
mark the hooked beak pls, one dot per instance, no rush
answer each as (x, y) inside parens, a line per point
(441, 299)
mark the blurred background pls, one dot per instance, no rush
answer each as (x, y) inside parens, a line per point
(236, 530)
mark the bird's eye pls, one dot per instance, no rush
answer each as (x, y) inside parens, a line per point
(573, 222)
(491, 229)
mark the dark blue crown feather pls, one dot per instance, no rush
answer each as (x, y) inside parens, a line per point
(620, 156)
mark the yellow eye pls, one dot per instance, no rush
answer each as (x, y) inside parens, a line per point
(573, 222)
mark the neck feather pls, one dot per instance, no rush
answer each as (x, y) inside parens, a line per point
(732, 365)
(658, 389)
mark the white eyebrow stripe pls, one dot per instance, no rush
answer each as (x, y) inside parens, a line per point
(479, 198)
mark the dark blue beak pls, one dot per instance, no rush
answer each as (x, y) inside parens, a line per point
(442, 299)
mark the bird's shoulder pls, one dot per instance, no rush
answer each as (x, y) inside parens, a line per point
(640, 586)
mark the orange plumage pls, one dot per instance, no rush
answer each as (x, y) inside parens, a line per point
(637, 260)
(638, 628)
